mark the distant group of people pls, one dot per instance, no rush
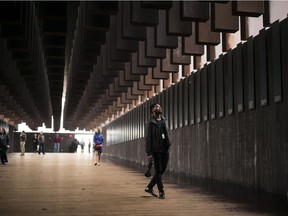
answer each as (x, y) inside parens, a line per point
(38, 143)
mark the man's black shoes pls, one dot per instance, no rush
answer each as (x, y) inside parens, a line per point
(161, 195)
(150, 191)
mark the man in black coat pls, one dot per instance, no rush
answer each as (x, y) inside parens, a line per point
(157, 148)
(4, 145)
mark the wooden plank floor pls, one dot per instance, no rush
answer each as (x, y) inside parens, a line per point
(70, 184)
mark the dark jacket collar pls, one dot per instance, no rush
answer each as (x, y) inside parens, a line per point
(154, 120)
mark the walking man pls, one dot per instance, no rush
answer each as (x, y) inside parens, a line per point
(23, 138)
(157, 148)
(41, 141)
(56, 142)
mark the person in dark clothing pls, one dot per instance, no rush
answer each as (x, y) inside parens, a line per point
(35, 143)
(157, 147)
(4, 145)
(73, 146)
(41, 142)
(57, 141)
(89, 146)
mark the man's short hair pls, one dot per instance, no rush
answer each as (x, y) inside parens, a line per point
(152, 106)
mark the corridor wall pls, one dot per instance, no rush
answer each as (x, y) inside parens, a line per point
(228, 120)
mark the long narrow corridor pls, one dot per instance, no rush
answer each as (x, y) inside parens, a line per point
(70, 184)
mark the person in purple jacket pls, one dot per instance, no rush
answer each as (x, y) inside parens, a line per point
(97, 144)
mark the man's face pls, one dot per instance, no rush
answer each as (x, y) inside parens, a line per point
(157, 109)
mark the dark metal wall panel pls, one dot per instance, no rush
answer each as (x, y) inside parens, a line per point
(186, 101)
(162, 39)
(195, 10)
(204, 34)
(198, 96)
(204, 93)
(249, 74)
(141, 121)
(151, 51)
(144, 120)
(177, 26)
(276, 62)
(222, 18)
(122, 44)
(191, 88)
(238, 78)
(164, 5)
(139, 15)
(175, 105)
(142, 59)
(166, 105)
(219, 86)
(177, 56)
(129, 30)
(171, 107)
(189, 45)
(212, 89)
(133, 126)
(228, 76)
(248, 8)
(157, 99)
(270, 69)
(124, 129)
(129, 125)
(146, 111)
(162, 100)
(180, 104)
(166, 64)
(284, 54)
(261, 76)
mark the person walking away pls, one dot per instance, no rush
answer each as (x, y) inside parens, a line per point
(157, 148)
(82, 144)
(23, 138)
(89, 146)
(35, 143)
(41, 141)
(4, 145)
(97, 145)
(56, 142)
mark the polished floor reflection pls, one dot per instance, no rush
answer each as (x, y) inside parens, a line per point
(70, 184)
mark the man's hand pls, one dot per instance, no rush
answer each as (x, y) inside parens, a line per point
(149, 157)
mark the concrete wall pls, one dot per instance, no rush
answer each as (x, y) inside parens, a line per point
(228, 121)
(248, 149)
